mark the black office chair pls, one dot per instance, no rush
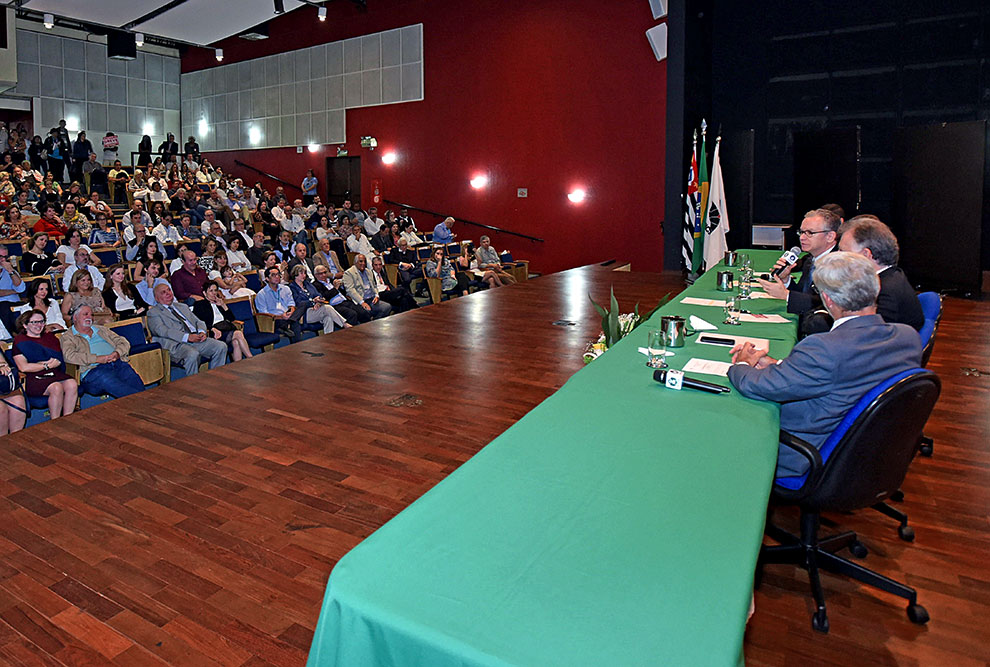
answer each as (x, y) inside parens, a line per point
(864, 461)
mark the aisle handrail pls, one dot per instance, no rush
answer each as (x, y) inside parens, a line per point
(267, 175)
(464, 220)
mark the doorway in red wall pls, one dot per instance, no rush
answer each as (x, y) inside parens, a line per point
(344, 180)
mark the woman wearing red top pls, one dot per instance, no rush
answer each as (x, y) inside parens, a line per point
(38, 355)
(50, 223)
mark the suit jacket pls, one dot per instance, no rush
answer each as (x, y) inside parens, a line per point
(295, 262)
(802, 295)
(824, 376)
(319, 259)
(354, 286)
(328, 293)
(203, 309)
(407, 257)
(168, 329)
(897, 301)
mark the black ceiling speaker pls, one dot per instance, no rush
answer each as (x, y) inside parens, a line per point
(279, 6)
(121, 45)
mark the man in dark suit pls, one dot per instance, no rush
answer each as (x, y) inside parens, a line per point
(818, 235)
(897, 302)
(825, 374)
(256, 253)
(407, 261)
(330, 289)
(301, 253)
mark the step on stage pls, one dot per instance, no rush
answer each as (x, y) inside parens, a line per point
(199, 521)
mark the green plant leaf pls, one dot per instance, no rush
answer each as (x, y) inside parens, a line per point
(613, 318)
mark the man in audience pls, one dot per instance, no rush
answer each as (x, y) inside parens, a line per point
(82, 264)
(256, 253)
(210, 217)
(218, 204)
(134, 237)
(872, 239)
(345, 212)
(328, 258)
(216, 233)
(330, 289)
(101, 356)
(406, 219)
(825, 374)
(442, 233)
(407, 261)
(239, 229)
(187, 229)
(358, 242)
(372, 224)
(362, 289)
(819, 234)
(284, 250)
(95, 205)
(185, 336)
(292, 223)
(97, 174)
(11, 287)
(138, 208)
(190, 161)
(394, 295)
(488, 260)
(314, 220)
(188, 280)
(166, 232)
(275, 300)
(301, 258)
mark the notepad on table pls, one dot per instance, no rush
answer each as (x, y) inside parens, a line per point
(694, 301)
(759, 318)
(707, 367)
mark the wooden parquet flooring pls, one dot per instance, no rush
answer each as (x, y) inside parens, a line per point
(197, 523)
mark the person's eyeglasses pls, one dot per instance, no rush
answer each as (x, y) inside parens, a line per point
(808, 232)
(36, 321)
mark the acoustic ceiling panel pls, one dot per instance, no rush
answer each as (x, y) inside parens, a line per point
(207, 21)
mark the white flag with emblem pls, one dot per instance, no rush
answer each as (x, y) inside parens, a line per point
(718, 218)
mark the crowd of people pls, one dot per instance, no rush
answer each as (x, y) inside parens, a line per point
(221, 229)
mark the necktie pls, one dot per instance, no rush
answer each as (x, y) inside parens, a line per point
(809, 284)
(185, 322)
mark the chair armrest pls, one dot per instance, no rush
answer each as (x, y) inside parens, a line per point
(266, 323)
(72, 371)
(811, 454)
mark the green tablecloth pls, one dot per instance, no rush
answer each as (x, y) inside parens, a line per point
(619, 522)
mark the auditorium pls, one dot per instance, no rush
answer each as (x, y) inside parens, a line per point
(423, 332)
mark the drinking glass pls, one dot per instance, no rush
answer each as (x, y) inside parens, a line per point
(745, 261)
(745, 278)
(731, 309)
(656, 346)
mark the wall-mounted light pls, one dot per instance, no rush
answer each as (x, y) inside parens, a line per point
(313, 148)
(72, 124)
(219, 54)
(321, 13)
(204, 128)
(254, 135)
(49, 21)
(389, 158)
(577, 195)
(479, 181)
(148, 128)
(139, 39)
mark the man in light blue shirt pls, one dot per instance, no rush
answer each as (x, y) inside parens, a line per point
(442, 233)
(275, 300)
(11, 286)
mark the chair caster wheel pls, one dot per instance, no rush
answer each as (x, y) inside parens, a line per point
(858, 549)
(819, 621)
(897, 496)
(917, 614)
(926, 450)
(906, 533)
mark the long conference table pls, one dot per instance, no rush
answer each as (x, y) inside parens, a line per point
(618, 523)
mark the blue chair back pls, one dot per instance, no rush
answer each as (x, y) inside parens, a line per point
(51, 247)
(423, 253)
(196, 246)
(169, 251)
(506, 258)
(133, 332)
(253, 281)
(931, 305)
(108, 256)
(241, 310)
(14, 248)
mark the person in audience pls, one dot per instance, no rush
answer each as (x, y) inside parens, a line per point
(818, 235)
(359, 243)
(210, 222)
(235, 255)
(232, 284)
(58, 149)
(95, 205)
(101, 356)
(276, 301)
(17, 145)
(35, 148)
(382, 241)
(187, 230)
(7, 188)
(138, 207)
(407, 261)
(362, 288)
(345, 212)
(82, 292)
(438, 266)
(285, 249)
(466, 264)
(328, 258)
(166, 232)
(188, 280)
(103, 235)
(38, 354)
(97, 174)
(216, 234)
(207, 258)
(212, 309)
(394, 295)
(11, 287)
(81, 148)
(324, 230)
(406, 220)
(135, 237)
(372, 224)
(111, 146)
(292, 223)
(489, 261)
(825, 374)
(26, 207)
(191, 148)
(138, 187)
(312, 222)
(82, 264)
(50, 223)
(309, 185)
(13, 407)
(240, 230)
(271, 261)
(300, 257)
(173, 325)
(73, 241)
(152, 278)
(144, 153)
(121, 296)
(331, 291)
(36, 260)
(13, 226)
(311, 307)
(897, 301)
(269, 225)
(442, 232)
(38, 295)
(169, 149)
(256, 253)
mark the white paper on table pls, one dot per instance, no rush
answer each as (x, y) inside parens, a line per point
(758, 343)
(699, 324)
(694, 301)
(760, 295)
(758, 318)
(707, 367)
(646, 351)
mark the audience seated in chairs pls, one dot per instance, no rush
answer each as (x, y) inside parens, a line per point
(39, 297)
(311, 307)
(103, 235)
(38, 355)
(329, 258)
(213, 311)
(395, 295)
(82, 265)
(35, 260)
(451, 282)
(81, 292)
(101, 356)
(121, 296)
(152, 279)
(13, 406)
(11, 286)
(331, 291)
(489, 262)
(189, 279)
(233, 285)
(362, 288)
(173, 325)
(405, 259)
(276, 301)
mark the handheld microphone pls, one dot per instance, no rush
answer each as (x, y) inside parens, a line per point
(791, 256)
(676, 380)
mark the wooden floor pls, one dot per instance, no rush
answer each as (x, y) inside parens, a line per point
(197, 523)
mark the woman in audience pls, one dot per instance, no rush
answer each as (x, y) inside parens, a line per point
(215, 313)
(103, 235)
(36, 261)
(309, 187)
(144, 152)
(153, 273)
(438, 266)
(18, 147)
(34, 154)
(148, 253)
(81, 291)
(307, 299)
(409, 234)
(324, 230)
(38, 355)
(66, 253)
(38, 295)
(137, 186)
(156, 213)
(235, 256)
(7, 188)
(203, 175)
(121, 296)
(12, 226)
(206, 260)
(13, 407)
(73, 193)
(269, 225)
(462, 264)
(236, 284)
(51, 191)
(158, 195)
(76, 220)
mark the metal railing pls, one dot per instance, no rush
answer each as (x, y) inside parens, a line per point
(464, 220)
(267, 175)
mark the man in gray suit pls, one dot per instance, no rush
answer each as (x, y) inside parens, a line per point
(183, 334)
(825, 374)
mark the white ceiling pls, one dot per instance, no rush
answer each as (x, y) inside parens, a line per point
(201, 22)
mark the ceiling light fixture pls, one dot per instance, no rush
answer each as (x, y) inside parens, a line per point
(577, 195)
(480, 181)
(321, 13)
(139, 39)
(389, 158)
(219, 55)
(49, 21)
(313, 148)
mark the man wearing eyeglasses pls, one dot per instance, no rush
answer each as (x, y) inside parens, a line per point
(819, 234)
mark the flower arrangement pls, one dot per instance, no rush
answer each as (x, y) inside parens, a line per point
(616, 326)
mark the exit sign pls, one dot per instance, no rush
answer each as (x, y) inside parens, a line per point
(522, 193)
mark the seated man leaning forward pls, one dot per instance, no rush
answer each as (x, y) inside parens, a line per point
(173, 325)
(101, 356)
(825, 374)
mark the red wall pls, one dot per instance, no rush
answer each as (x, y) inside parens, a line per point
(544, 95)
